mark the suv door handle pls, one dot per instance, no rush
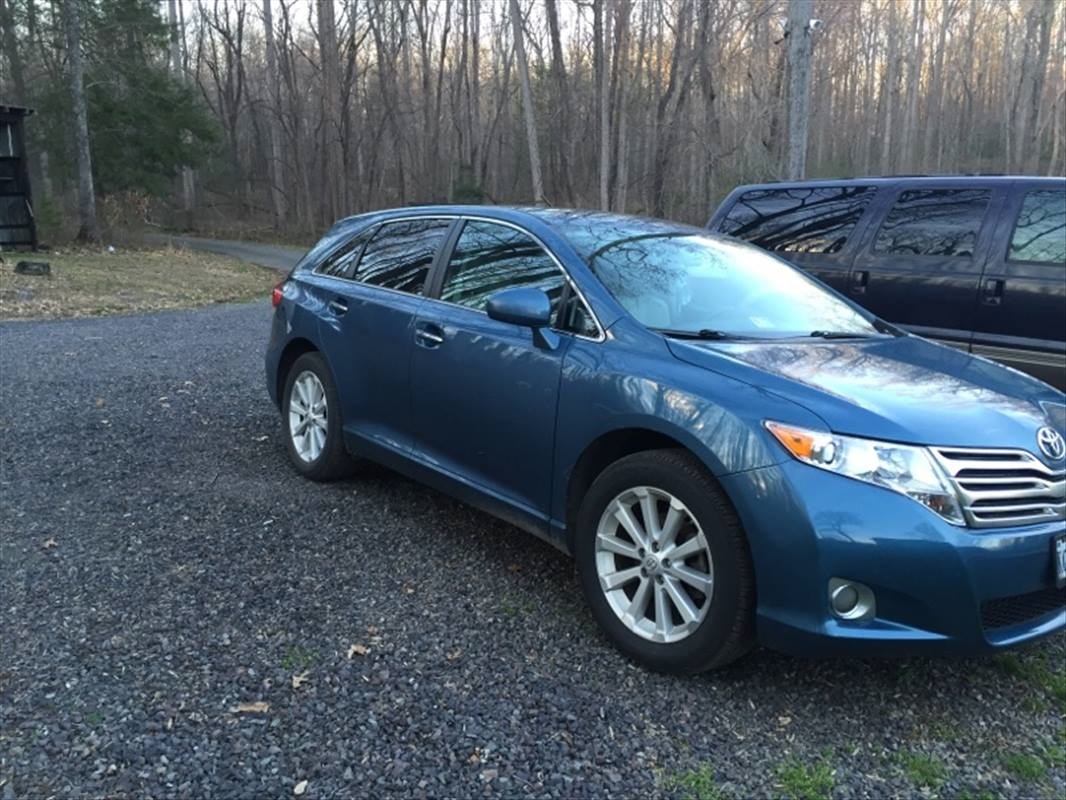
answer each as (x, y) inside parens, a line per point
(992, 291)
(429, 334)
(338, 307)
(859, 280)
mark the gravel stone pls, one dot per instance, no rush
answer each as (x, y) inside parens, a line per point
(161, 563)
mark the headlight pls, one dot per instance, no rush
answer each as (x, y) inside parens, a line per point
(899, 467)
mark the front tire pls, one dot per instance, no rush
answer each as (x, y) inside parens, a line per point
(664, 563)
(311, 416)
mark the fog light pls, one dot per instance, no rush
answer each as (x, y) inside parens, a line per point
(851, 600)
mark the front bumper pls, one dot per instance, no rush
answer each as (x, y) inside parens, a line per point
(930, 579)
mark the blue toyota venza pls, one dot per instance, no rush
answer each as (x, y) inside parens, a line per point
(731, 451)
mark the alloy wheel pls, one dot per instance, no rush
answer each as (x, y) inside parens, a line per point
(308, 416)
(654, 564)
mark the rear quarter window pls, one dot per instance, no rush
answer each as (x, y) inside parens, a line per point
(798, 220)
(1040, 232)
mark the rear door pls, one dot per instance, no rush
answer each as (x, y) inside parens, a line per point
(1021, 312)
(814, 227)
(370, 290)
(484, 393)
(921, 266)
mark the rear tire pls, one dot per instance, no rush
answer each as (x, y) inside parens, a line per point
(311, 417)
(664, 563)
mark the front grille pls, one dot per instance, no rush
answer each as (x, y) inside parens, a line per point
(1004, 487)
(1007, 611)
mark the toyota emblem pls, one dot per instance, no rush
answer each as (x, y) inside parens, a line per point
(1051, 443)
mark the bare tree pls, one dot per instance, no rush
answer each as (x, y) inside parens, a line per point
(527, 103)
(88, 227)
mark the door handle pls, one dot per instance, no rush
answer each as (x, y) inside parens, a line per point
(338, 307)
(859, 280)
(429, 334)
(992, 291)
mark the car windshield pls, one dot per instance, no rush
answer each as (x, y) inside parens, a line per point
(692, 284)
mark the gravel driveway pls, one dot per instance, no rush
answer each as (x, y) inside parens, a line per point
(163, 570)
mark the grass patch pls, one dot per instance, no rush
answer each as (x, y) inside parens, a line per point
(297, 658)
(696, 784)
(800, 781)
(923, 770)
(1041, 670)
(91, 282)
(1026, 766)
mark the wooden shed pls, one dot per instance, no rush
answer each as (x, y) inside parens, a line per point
(18, 227)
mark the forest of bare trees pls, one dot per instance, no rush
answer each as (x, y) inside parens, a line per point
(322, 109)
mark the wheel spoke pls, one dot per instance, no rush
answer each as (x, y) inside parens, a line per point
(689, 548)
(615, 580)
(631, 526)
(301, 387)
(675, 518)
(663, 622)
(638, 606)
(681, 601)
(301, 426)
(295, 404)
(697, 580)
(649, 509)
(613, 544)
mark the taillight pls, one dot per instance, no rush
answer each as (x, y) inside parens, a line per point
(277, 294)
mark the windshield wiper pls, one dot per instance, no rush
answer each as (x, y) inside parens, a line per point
(838, 335)
(702, 333)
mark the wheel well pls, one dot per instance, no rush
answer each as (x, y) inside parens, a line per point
(293, 350)
(603, 452)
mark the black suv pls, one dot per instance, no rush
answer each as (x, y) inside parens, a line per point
(975, 262)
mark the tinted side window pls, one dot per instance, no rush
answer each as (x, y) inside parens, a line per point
(401, 253)
(933, 222)
(490, 257)
(341, 263)
(1040, 232)
(800, 220)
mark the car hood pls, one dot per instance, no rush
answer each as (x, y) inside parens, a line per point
(902, 389)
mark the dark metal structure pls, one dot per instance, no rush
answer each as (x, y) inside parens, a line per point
(18, 227)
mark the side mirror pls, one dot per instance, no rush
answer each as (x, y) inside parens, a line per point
(521, 306)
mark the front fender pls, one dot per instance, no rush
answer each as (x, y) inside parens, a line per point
(609, 386)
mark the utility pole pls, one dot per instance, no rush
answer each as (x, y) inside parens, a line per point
(800, 46)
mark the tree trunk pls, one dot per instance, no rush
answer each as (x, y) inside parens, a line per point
(914, 77)
(88, 228)
(799, 86)
(527, 104)
(333, 168)
(277, 197)
(562, 114)
(890, 93)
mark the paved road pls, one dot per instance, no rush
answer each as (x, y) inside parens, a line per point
(267, 255)
(161, 564)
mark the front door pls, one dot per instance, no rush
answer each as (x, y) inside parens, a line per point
(483, 393)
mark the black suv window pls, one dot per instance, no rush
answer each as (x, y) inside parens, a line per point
(400, 254)
(490, 257)
(1040, 232)
(933, 222)
(798, 220)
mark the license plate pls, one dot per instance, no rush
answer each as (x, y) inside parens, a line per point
(1059, 556)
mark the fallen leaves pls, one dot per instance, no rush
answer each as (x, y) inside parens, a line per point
(300, 680)
(357, 650)
(454, 655)
(49, 543)
(299, 788)
(257, 707)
